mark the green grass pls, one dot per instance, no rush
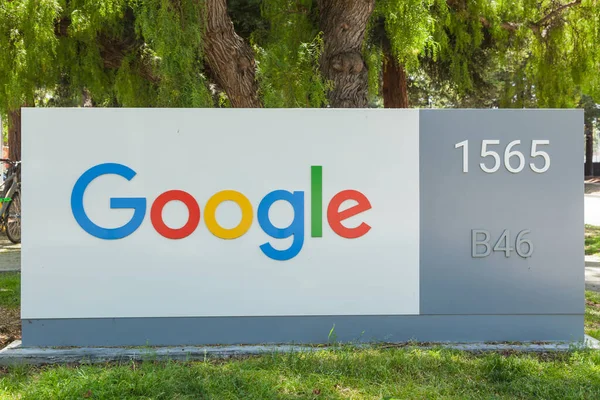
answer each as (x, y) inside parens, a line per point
(592, 239)
(10, 289)
(592, 314)
(344, 372)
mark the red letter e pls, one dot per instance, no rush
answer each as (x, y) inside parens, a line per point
(335, 217)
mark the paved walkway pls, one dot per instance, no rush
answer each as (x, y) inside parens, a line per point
(592, 217)
(592, 209)
(592, 275)
(10, 255)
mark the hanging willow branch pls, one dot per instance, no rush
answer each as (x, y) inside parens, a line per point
(537, 26)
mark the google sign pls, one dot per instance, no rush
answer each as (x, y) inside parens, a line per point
(295, 199)
(229, 226)
(186, 213)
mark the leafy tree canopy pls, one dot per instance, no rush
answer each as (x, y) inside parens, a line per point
(476, 53)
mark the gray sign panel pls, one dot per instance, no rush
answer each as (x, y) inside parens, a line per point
(547, 206)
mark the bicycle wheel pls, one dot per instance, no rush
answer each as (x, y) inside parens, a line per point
(13, 219)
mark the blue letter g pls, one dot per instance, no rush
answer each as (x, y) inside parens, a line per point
(138, 204)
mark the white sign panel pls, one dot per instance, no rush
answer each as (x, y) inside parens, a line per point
(204, 212)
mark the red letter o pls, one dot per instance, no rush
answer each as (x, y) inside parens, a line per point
(159, 224)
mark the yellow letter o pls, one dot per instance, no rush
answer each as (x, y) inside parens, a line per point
(210, 212)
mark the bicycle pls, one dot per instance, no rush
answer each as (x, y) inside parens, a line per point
(10, 212)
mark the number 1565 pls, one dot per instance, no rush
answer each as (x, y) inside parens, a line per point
(514, 160)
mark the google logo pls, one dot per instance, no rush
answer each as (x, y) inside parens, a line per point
(335, 216)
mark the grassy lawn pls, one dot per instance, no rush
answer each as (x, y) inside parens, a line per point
(10, 290)
(592, 314)
(10, 300)
(344, 372)
(592, 239)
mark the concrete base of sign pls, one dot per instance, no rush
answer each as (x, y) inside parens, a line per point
(206, 331)
(15, 354)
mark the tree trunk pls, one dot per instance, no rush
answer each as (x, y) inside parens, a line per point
(86, 98)
(14, 135)
(395, 86)
(229, 57)
(343, 23)
(589, 150)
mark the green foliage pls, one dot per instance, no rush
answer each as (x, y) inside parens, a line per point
(409, 25)
(90, 17)
(147, 53)
(550, 50)
(131, 89)
(83, 29)
(506, 53)
(374, 60)
(122, 52)
(444, 40)
(28, 50)
(172, 32)
(287, 56)
(459, 36)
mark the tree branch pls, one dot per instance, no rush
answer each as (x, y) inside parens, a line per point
(344, 24)
(555, 12)
(229, 57)
(537, 26)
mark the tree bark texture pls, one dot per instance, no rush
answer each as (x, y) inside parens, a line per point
(344, 23)
(395, 85)
(589, 150)
(14, 135)
(229, 57)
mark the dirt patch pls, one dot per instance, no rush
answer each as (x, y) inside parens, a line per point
(592, 304)
(10, 326)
